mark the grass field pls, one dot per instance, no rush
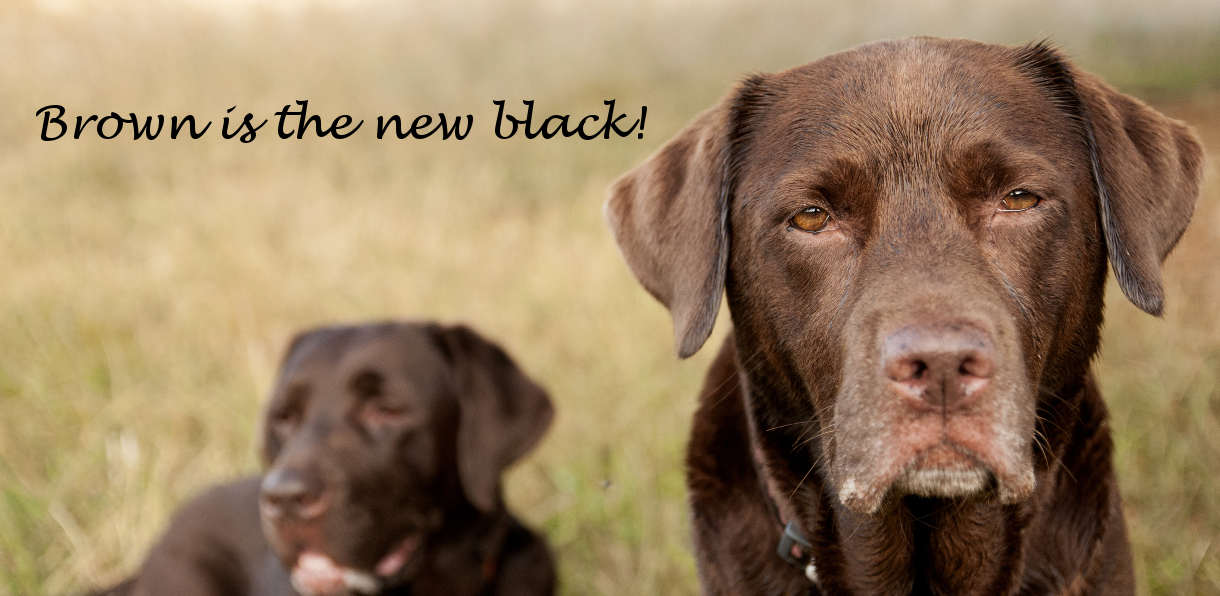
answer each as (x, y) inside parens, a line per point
(149, 287)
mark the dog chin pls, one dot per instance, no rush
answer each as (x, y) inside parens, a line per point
(868, 497)
(943, 471)
(944, 482)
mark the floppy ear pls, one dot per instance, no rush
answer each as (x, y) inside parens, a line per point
(301, 342)
(669, 217)
(503, 412)
(1146, 170)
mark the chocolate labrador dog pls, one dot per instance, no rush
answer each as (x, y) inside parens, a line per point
(383, 446)
(912, 237)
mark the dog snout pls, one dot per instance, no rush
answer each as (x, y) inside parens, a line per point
(287, 492)
(941, 365)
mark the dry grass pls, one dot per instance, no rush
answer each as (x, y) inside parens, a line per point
(148, 287)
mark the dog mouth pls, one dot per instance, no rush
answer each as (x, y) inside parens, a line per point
(316, 574)
(944, 471)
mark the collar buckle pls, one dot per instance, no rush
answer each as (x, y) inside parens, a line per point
(793, 546)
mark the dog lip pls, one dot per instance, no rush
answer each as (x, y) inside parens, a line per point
(944, 470)
(317, 574)
(944, 455)
(398, 557)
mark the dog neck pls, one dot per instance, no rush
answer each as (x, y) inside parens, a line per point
(463, 557)
(925, 545)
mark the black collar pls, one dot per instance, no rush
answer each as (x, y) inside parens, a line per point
(490, 541)
(495, 540)
(793, 547)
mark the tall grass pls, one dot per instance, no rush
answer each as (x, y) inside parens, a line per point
(148, 287)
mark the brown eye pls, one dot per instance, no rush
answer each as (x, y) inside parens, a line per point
(811, 219)
(287, 412)
(1019, 200)
(382, 411)
(388, 409)
(285, 418)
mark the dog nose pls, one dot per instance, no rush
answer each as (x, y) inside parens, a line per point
(286, 492)
(942, 365)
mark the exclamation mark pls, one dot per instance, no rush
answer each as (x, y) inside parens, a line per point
(643, 116)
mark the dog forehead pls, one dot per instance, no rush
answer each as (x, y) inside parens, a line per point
(399, 353)
(898, 102)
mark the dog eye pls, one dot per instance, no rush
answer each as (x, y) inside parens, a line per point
(366, 384)
(389, 408)
(288, 411)
(1019, 200)
(382, 410)
(810, 219)
(284, 418)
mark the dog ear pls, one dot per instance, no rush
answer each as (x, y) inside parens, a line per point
(503, 412)
(669, 217)
(1146, 170)
(300, 343)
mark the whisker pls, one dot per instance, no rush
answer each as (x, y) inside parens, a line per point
(716, 396)
(779, 426)
(825, 431)
(802, 481)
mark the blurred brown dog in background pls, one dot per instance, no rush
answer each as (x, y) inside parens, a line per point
(384, 446)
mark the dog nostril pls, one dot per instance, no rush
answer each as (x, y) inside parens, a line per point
(976, 366)
(904, 370)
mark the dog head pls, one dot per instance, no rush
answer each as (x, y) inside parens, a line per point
(378, 437)
(913, 238)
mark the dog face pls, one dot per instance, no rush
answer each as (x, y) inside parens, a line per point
(912, 237)
(377, 437)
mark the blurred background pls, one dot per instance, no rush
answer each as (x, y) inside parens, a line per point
(148, 287)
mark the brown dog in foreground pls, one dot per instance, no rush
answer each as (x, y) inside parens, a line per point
(384, 446)
(912, 237)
